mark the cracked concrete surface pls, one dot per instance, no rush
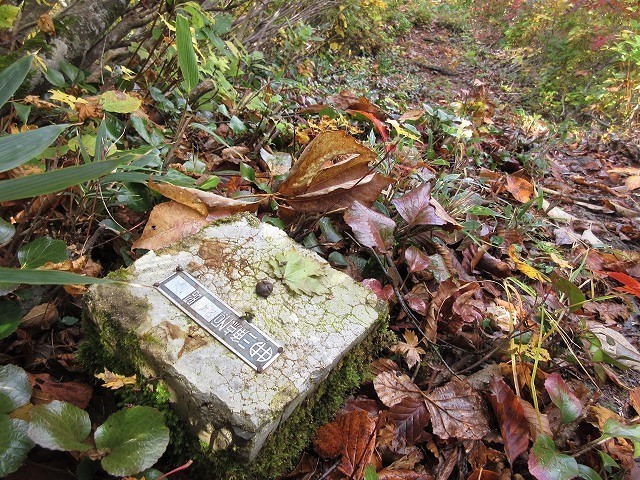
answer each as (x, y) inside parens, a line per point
(224, 400)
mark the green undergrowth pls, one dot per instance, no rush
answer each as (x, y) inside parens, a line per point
(112, 348)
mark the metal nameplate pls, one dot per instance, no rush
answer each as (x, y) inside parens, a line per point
(255, 348)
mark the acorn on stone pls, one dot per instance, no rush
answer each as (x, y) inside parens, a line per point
(264, 288)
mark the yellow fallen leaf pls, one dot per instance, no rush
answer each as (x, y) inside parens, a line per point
(525, 268)
(115, 381)
(403, 132)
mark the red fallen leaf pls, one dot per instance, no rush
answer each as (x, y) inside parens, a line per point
(415, 208)
(380, 127)
(416, 303)
(521, 189)
(514, 426)
(328, 441)
(416, 259)
(370, 228)
(457, 410)
(359, 436)
(384, 293)
(392, 388)
(563, 398)
(631, 285)
(45, 390)
(410, 417)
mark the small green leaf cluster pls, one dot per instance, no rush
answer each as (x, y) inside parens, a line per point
(128, 442)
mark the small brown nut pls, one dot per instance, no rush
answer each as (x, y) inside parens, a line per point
(264, 288)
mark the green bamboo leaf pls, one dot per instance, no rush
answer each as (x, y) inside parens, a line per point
(46, 277)
(10, 317)
(60, 426)
(186, 53)
(7, 231)
(14, 444)
(19, 148)
(135, 439)
(49, 182)
(15, 388)
(12, 77)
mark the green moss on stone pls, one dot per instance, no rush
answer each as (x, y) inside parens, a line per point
(285, 445)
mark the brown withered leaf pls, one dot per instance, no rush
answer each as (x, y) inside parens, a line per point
(415, 208)
(392, 387)
(383, 365)
(402, 474)
(410, 416)
(328, 441)
(115, 381)
(168, 223)
(538, 422)
(332, 172)
(409, 348)
(514, 426)
(359, 434)
(45, 24)
(457, 410)
(46, 389)
(521, 189)
(208, 204)
(634, 398)
(40, 317)
(483, 474)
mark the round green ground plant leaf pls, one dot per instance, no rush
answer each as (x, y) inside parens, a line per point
(60, 426)
(14, 444)
(10, 317)
(42, 250)
(15, 388)
(135, 439)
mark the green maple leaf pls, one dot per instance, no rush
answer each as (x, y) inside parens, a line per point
(299, 274)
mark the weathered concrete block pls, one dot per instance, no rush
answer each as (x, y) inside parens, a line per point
(226, 402)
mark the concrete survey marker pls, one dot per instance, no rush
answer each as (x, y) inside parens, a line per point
(192, 313)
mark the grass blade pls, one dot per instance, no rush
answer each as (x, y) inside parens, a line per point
(46, 277)
(21, 147)
(186, 53)
(12, 77)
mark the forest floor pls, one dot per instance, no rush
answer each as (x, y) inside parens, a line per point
(558, 209)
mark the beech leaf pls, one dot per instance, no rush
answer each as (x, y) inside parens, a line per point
(415, 208)
(359, 435)
(416, 259)
(410, 416)
(514, 426)
(392, 388)
(457, 410)
(299, 274)
(371, 228)
(563, 398)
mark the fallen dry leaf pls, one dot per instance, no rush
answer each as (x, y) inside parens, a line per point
(40, 317)
(457, 410)
(409, 348)
(410, 416)
(370, 228)
(392, 387)
(115, 381)
(46, 389)
(524, 267)
(514, 426)
(168, 223)
(521, 189)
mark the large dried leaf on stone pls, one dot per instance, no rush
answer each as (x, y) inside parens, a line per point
(415, 208)
(409, 348)
(563, 398)
(392, 387)
(168, 223)
(208, 204)
(457, 410)
(514, 426)
(371, 228)
(330, 156)
(359, 434)
(410, 417)
(300, 274)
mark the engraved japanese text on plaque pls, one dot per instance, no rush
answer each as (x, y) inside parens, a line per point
(244, 339)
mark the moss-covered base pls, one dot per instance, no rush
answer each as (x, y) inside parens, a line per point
(284, 446)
